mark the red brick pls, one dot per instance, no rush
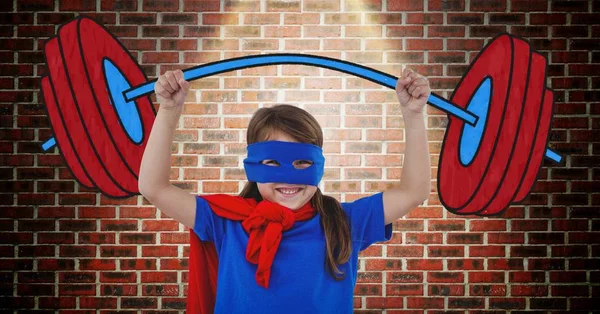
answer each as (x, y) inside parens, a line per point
(476, 277)
(77, 6)
(465, 238)
(56, 265)
(570, 6)
(404, 5)
(424, 265)
(446, 290)
(505, 264)
(404, 31)
(529, 290)
(367, 290)
(471, 303)
(424, 238)
(548, 264)
(507, 303)
(321, 5)
(486, 251)
(384, 302)
(425, 303)
(506, 237)
(96, 303)
(35, 5)
(109, 18)
(160, 290)
(159, 5)
(404, 290)
(424, 18)
(546, 238)
(445, 277)
(446, 31)
(201, 5)
(446, 251)
(486, 31)
(488, 290)
(118, 251)
(161, 277)
(447, 225)
(487, 5)
(97, 264)
(445, 5)
(570, 291)
(284, 6)
(57, 303)
(567, 277)
(465, 18)
(526, 276)
(424, 44)
(465, 264)
(119, 5)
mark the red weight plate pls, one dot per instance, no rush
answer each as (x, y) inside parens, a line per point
(94, 50)
(94, 121)
(478, 180)
(74, 125)
(119, 157)
(525, 139)
(539, 148)
(509, 126)
(60, 135)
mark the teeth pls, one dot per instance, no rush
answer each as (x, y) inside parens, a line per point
(288, 191)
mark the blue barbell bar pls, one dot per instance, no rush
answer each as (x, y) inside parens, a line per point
(367, 73)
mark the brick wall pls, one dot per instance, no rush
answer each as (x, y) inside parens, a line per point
(66, 247)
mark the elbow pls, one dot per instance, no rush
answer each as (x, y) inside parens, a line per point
(420, 200)
(418, 197)
(145, 190)
(142, 188)
(423, 194)
(150, 191)
(419, 193)
(149, 188)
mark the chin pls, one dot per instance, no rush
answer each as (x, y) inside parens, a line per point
(293, 205)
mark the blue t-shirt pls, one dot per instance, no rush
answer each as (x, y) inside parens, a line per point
(300, 282)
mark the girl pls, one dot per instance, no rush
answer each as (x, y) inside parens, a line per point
(283, 246)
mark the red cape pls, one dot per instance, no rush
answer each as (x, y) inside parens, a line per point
(202, 288)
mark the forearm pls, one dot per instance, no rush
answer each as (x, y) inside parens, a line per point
(416, 169)
(156, 162)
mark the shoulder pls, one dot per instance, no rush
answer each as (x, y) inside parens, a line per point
(367, 202)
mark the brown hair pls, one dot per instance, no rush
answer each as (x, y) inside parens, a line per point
(304, 128)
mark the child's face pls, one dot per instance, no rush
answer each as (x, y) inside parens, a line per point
(292, 196)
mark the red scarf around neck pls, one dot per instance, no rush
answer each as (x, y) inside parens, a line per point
(264, 221)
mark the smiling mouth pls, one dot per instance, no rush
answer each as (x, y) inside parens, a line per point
(287, 192)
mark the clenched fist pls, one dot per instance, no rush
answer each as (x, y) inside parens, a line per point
(413, 91)
(171, 89)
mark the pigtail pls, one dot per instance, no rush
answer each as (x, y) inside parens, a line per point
(337, 232)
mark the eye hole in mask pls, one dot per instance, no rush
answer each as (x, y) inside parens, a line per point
(298, 164)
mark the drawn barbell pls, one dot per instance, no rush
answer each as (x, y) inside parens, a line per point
(499, 115)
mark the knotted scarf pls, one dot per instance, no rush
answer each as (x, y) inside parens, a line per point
(264, 222)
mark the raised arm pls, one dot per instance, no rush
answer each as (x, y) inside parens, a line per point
(171, 91)
(415, 184)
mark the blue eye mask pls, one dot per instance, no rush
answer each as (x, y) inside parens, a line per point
(285, 154)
